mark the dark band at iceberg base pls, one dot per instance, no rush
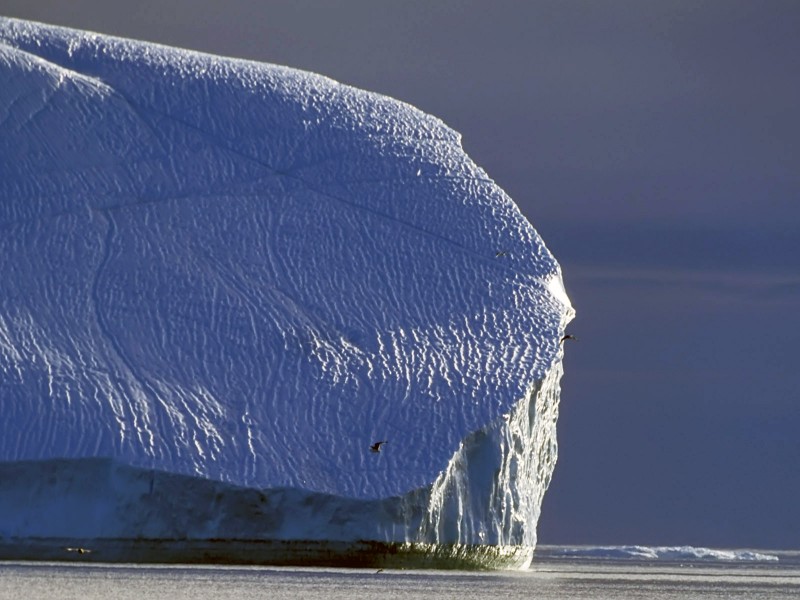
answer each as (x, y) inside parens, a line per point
(285, 553)
(475, 516)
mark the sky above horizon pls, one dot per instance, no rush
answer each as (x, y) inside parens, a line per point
(655, 147)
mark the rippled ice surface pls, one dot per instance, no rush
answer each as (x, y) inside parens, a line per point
(563, 578)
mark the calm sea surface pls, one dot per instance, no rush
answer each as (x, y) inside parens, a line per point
(550, 578)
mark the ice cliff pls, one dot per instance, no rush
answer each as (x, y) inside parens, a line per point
(248, 274)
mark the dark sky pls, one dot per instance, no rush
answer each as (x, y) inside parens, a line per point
(656, 148)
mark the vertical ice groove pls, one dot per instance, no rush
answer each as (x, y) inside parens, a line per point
(492, 489)
(139, 391)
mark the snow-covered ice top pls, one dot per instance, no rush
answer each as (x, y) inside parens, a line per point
(251, 273)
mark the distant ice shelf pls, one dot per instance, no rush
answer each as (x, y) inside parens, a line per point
(248, 274)
(661, 553)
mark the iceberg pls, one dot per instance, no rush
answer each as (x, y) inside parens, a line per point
(225, 276)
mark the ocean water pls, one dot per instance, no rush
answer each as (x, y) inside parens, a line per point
(550, 577)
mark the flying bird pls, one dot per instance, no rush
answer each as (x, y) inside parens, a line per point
(376, 447)
(568, 337)
(500, 253)
(78, 550)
